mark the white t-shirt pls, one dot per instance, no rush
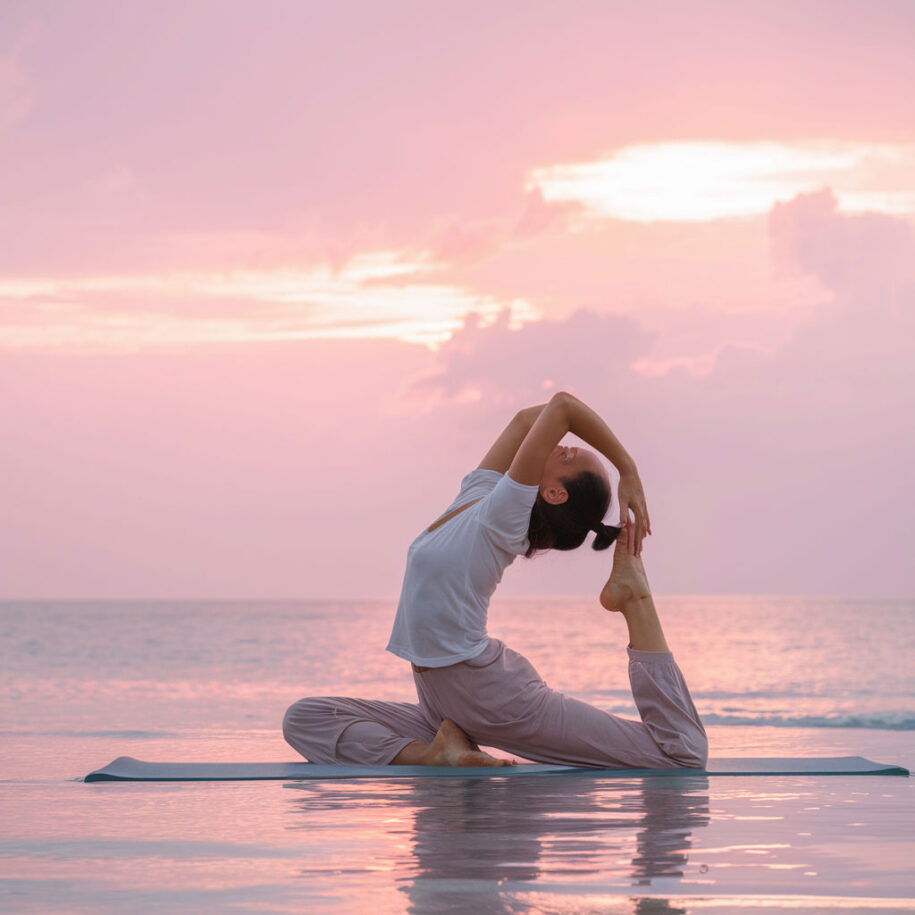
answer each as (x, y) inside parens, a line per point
(452, 571)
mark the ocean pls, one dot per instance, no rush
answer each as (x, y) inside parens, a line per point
(84, 682)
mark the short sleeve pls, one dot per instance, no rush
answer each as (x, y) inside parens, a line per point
(506, 513)
(475, 485)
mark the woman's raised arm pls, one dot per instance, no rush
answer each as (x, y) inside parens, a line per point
(566, 413)
(505, 447)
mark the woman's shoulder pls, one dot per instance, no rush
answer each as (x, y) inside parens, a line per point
(480, 478)
(475, 486)
(481, 482)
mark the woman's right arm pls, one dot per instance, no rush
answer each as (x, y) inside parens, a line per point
(505, 447)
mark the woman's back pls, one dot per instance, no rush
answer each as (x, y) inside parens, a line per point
(454, 567)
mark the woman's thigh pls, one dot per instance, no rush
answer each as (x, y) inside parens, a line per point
(501, 701)
(497, 688)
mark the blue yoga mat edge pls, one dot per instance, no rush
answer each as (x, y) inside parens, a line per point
(126, 768)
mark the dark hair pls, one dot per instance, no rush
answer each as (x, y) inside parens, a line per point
(565, 526)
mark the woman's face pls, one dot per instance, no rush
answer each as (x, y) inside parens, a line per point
(567, 461)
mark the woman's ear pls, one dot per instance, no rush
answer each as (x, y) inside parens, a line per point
(554, 494)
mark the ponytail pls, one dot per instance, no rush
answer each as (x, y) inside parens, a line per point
(605, 536)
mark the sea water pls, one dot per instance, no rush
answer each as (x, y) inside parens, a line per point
(83, 683)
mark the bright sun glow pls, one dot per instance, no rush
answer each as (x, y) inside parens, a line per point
(364, 299)
(694, 182)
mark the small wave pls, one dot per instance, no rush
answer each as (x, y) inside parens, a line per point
(886, 721)
(737, 714)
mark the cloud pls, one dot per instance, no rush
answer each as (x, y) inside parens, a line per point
(456, 243)
(867, 260)
(540, 215)
(700, 181)
(510, 365)
(453, 241)
(378, 294)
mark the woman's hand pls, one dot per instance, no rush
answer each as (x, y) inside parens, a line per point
(632, 498)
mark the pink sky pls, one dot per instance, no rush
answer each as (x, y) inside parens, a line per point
(272, 277)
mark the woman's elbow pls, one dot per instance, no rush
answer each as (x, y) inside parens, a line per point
(561, 402)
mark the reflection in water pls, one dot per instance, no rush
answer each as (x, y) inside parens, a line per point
(473, 841)
(652, 905)
(669, 815)
(493, 831)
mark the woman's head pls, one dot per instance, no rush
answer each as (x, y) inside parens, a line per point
(573, 499)
(564, 462)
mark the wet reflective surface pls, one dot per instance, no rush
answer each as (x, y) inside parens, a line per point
(558, 844)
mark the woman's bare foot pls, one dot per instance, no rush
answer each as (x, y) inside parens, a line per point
(450, 747)
(627, 582)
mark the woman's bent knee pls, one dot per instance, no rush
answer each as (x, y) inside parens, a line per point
(299, 711)
(303, 717)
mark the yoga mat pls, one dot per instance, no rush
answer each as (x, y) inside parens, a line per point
(127, 769)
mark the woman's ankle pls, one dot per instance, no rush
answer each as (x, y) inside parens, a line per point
(413, 754)
(645, 632)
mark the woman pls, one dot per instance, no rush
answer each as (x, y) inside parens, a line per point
(528, 494)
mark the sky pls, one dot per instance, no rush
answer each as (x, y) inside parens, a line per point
(273, 276)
